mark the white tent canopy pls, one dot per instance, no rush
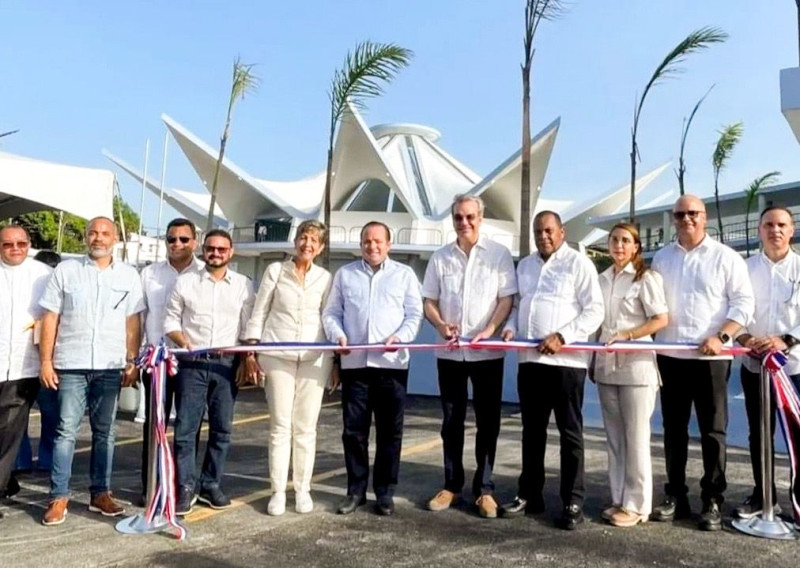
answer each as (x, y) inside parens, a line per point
(28, 185)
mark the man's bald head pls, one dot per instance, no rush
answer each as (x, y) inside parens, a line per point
(689, 217)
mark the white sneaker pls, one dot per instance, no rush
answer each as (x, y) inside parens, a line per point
(277, 504)
(303, 503)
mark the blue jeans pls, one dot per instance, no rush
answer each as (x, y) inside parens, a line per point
(47, 401)
(77, 390)
(202, 382)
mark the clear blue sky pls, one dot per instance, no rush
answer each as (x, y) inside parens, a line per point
(79, 76)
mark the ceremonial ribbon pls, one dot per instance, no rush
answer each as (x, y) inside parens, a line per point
(158, 361)
(788, 404)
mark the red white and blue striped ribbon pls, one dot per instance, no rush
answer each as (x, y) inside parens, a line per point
(158, 361)
(788, 404)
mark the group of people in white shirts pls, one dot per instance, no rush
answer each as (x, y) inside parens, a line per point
(89, 312)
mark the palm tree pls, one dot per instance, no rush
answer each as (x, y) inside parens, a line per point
(729, 137)
(695, 41)
(751, 194)
(535, 12)
(681, 173)
(244, 81)
(365, 72)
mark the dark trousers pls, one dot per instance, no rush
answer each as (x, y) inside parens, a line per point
(202, 382)
(16, 398)
(544, 389)
(703, 383)
(47, 401)
(487, 391)
(752, 404)
(366, 391)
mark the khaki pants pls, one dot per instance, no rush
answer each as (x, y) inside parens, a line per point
(294, 391)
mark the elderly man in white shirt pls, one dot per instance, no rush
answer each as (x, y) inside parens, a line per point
(710, 298)
(560, 302)
(158, 280)
(22, 282)
(373, 300)
(775, 275)
(207, 309)
(469, 288)
(89, 342)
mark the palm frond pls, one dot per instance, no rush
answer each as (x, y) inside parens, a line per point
(364, 74)
(760, 183)
(535, 12)
(244, 81)
(9, 133)
(729, 137)
(691, 117)
(670, 66)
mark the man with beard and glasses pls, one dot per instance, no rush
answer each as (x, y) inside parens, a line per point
(89, 342)
(206, 309)
(22, 282)
(158, 280)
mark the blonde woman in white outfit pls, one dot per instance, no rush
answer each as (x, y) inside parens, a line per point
(635, 308)
(288, 307)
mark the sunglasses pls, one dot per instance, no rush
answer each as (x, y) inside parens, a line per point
(17, 244)
(679, 215)
(220, 250)
(469, 218)
(172, 239)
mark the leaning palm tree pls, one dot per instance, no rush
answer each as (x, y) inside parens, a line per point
(681, 172)
(751, 195)
(729, 137)
(365, 72)
(695, 41)
(535, 12)
(244, 81)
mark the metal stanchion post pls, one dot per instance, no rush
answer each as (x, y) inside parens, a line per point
(766, 525)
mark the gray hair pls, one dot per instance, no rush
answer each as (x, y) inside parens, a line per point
(462, 197)
(311, 226)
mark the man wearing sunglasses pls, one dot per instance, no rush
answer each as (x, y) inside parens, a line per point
(22, 282)
(469, 288)
(710, 299)
(207, 309)
(158, 280)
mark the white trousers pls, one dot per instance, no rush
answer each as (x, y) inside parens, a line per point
(626, 415)
(294, 391)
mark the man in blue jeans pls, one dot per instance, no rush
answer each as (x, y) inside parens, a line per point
(89, 341)
(206, 309)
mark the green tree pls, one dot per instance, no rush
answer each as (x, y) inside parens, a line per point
(244, 81)
(751, 194)
(681, 172)
(729, 137)
(695, 41)
(364, 73)
(535, 12)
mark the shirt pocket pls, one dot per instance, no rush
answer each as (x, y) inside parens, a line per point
(118, 298)
(354, 298)
(391, 298)
(75, 297)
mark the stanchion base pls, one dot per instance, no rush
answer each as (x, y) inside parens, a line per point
(774, 529)
(138, 524)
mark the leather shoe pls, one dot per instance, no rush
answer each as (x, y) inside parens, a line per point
(571, 517)
(711, 517)
(350, 503)
(385, 506)
(673, 508)
(515, 508)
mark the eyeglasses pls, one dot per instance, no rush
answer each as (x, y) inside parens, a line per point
(16, 244)
(679, 215)
(221, 250)
(171, 239)
(469, 218)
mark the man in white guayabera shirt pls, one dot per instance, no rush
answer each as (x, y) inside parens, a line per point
(22, 282)
(469, 288)
(710, 299)
(775, 275)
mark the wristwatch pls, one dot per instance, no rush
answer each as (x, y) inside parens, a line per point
(790, 340)
(723, 337)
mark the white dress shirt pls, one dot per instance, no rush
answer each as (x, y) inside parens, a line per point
(370, 306)
(628, 305)
(467, 289)
(158, 280)
(21, 287)
(286, 310)
(704, 287)
(209, 312)
(777, 291)
(93, 306)
(560, 295)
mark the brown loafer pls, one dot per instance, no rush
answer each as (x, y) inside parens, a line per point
(609, 512)
(623, 518)
(56, 512)
(103, 503)
(443, 500)
(487, 506)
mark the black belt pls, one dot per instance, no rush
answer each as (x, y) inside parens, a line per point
(209, 356)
